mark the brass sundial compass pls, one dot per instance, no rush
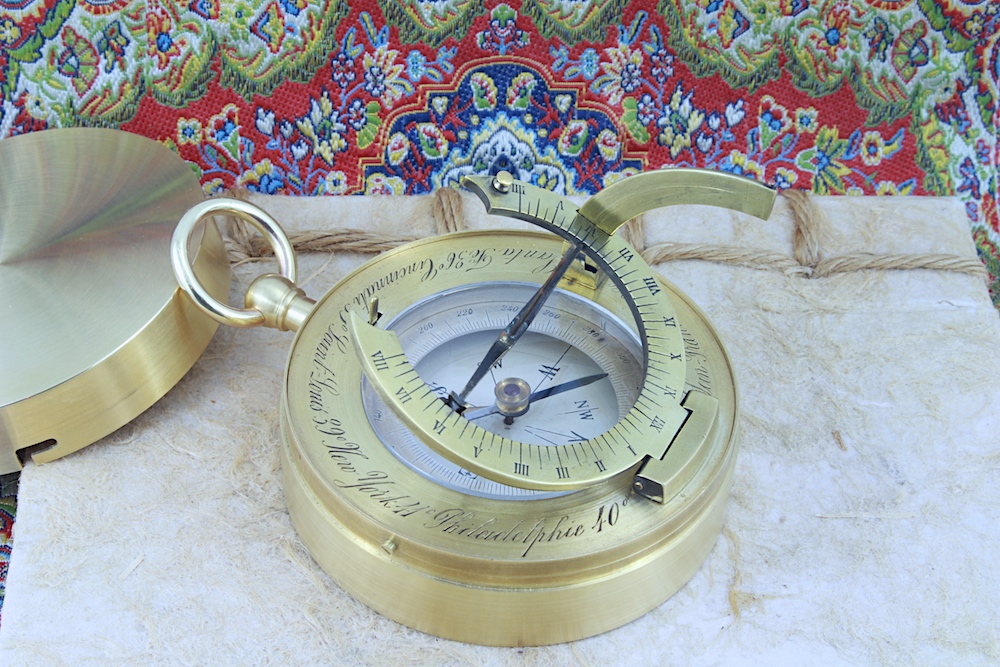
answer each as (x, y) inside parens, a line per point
(504, 437)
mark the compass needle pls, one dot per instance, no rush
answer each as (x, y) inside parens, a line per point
(476, 413)
(544, 514)
(513, 331)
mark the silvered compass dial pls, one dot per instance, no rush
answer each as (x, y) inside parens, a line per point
(504, 437)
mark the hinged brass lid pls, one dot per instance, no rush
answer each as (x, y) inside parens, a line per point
(93, 328)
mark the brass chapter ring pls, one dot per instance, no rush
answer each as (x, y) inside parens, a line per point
(179, 258)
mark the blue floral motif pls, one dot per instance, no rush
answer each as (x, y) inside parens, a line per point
(269, 183)
(631, 77)
(356, 114)
(662, 61)
(773, 123)
(587, 67)
(781, 180)
(589, 64)
(293, 7)
(225, 130)
(163, 42)
(647, 109)
(418, 67)
(343, 73)
(375, 81)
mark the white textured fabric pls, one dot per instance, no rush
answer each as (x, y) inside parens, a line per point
(863, 525)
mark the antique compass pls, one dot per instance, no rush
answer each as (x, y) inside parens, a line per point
(504, 437)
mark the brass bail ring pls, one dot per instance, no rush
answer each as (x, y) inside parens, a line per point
(265, 224)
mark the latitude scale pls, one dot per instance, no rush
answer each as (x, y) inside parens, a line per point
(498, 437)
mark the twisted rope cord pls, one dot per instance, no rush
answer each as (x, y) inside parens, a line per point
(448, 214)
(750, 257)
(866, 261)
(808, 218)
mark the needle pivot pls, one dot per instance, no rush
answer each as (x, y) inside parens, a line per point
(513, 398)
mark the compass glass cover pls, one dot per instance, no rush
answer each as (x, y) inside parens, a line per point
(571, 339)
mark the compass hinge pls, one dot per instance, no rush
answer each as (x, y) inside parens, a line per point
(583, 273)
(659, 479)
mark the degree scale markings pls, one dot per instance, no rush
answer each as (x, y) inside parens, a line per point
(646, 429)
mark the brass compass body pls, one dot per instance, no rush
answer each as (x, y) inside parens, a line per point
(507, 438)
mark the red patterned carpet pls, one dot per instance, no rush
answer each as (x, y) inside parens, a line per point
(887, 97)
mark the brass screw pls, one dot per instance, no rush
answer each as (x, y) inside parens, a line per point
(502, 182)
